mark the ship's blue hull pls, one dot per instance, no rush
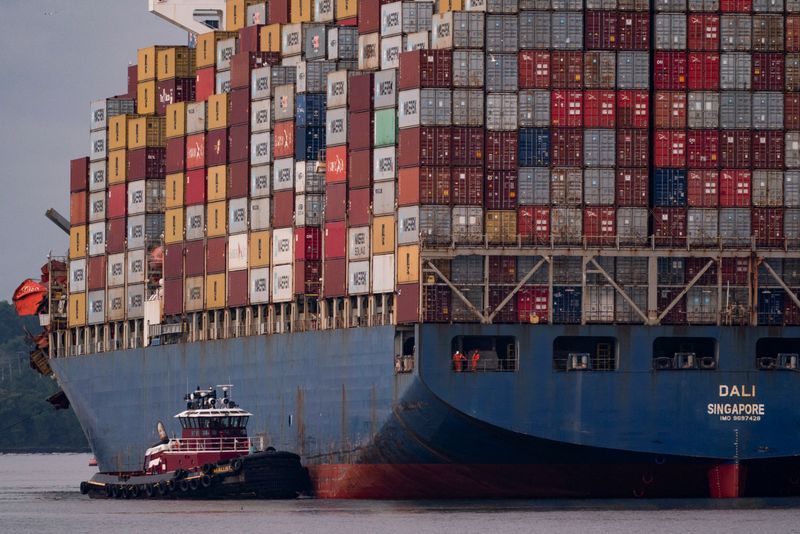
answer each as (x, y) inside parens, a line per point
(364, 431)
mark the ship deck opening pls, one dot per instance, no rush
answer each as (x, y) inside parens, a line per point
(777, 353)
(497, 353)
(684, 353)
(584, 353)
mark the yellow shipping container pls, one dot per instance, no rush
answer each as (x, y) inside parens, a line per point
(383, 234)
(346, 9)
(235, 14)
(408, 264)
(216, 218)
(118, 132)
(146, 98)
(206, 51)
(77, 310)
(300, 11)
(259, 249)
(215, 291)
(501, 226)
(174, 191)
(175, 62)
(217, 180)
(217, 114)
(77, 241)
(117, 166)
(173, 225)
(146, 132)
(270, 38)
(176, 120)
(451, 5)
(147, 59)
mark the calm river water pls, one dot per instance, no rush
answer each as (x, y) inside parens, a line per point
(39, 493)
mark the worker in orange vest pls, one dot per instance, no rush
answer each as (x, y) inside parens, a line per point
(473, 364)
(459, 360)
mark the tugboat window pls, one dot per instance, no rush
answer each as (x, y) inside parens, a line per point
(684, 353)
(778, 353)
(584, 353)
(494, 354)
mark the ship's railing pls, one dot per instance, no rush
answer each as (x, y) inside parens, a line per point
(210, 445)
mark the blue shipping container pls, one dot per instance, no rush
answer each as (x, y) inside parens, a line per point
(770, 307)
(534, 147)
(308, 141)
(669, 188)
(567, 302)
(310, 109)
(671, 271)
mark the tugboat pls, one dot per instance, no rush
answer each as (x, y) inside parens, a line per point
(213, 458)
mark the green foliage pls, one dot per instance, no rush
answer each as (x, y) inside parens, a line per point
(27, 421)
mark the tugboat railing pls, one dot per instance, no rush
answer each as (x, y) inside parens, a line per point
(210, 445)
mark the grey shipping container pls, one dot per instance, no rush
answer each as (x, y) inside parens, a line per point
(671, 271)
(195, 222)
(434, 224)
(501, 111)
(526, 263)
(284, 102)
(624, 312)
(791, 227)
(598, 304)
(534, 29)
(502, 33)
(603, 4)
(502, 73)
(734, 227)
(458, 29)
(468, 67)
(791, 189)
(734, 71)
(307, 179)
(566, 30)
(312, 76)
(702, 226)
(460, 311)
(768, 6)
(135, 301)
(703, 109)
(632, 226)
(735, 32)
(566, 5)
(408, 225)
(599, 147)
(767, 188)
(670, 5)
(566, 225)
(405, 17)
(566, 185)
(467, 270)
(735, 110)
(425, 107)
(631, 5)
(343, 42)
(315, 41)
(768, 110)
(102, 110)
(502, 6)
(308, 210)
(534, 109)
(704, 5)
(633, 70)
(468, 107)
(145, 230)
(670, 31)
(567, 270)
(467, 225)
(598, 187)
(533, 186)
(701, 305)
(631, 271)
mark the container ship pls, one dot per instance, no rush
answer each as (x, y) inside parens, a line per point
(465, 249)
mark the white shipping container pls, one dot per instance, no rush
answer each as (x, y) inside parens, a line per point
(96, 306)
(195, 117)
(237, 215)
(195, 222)
(384, 163)
(260, 148)
(260, 83)
(223, 84)
(97, 239)
(282, 283)
(323, 10)
(474, 5)
(135, 301)
(337, 89)
(136, 197)
(260, 181)
(392, 19)
(368, 52)
(291, 39)
(260, 214)
(259, 285)
(383, 268)
(385, 90)
(226, 48)
(283, 174)
(390, 52)
(261, 116)
(383, 198)
(307, 179)
(97, 175)
(358, 243)
(135, 267)
(358, 277)
(97, 206)
(77, 276)
(336, 127)
(282, 246)
(292, 61)
(193, 294)
(416, 41)
(237, 252)
(97, 145)
(284, 102)
(115, 304)
(408, 225)
(308, 209)
(115, 270)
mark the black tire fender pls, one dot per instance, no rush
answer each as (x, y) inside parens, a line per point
(116, 491)
(207, 468)
(183, 485)
(84, 488)
(236, 465)
(205, 481)
(133, 491)
(150, 490)
(123, 491)
(193, 484)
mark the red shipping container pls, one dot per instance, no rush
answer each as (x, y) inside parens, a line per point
(670, 71)
(437, 304)
(768, 72)
(502, 270)
(406, 304)
(703, 71)
(195, 264)
(600, 30)
(425, 68)
(283, 139)
(176, 155)
(173, 91)
(767, 226)
(194, 192)
(78, 207)
(734, 188)
(566, 147)
(173, 297)
(359, 131)
(360, 171)
(734, 149)
(633, 30)
(249, 38)
(217, 147)
(632, 187)
(408, 185)
(502, 150)
(736, 6)
(133, 81)
(239, 143)
(334, 279)
(237, 288)
(703, 31)
(702, 149)
(534, 69)
(467, 186)
(335, 202)
(600, 226)
(278, 11)
(216, 251)
(308, 243)
(532, 304)
(670, 148)
(792, 33)
(116, 231)
(359, 202)
(791, 111)
(205, 83)
(633, 109)
(791, 313)
(533, 225)
(424, 145)
(599, 109)
(369, 17)
(360, 89)
(670, 109)
(467, 146)
(173, 261)
(283, 208)
(335, 240)
(97, 273)
(735, 271)
(307, 275)
(238, 180)
(239, 105)
(249, 58)
(669, 227)
(566, 108)
(195, 151)
(117, 205)
(506, 314)
(79, 174)
(566, 70)
(433, 185)
(501, 190)
(146, 163)
(336, 164)
(633, 148)
(676, 314)
(703, 189)
(768, 148)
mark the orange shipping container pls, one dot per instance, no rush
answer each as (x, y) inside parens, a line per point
(77, 310)
(216, 219)
(118, 132)
(217, 115)
(147, 59)
(215, 291)
(174, 191)
(173, 225)
(300, 11)
(346, 9)
(206, 51)
(260, 249)
(217, 180)
(408, 264)
(176, 119)
(175, 62)
(383, 234)
(145, 132)
(117, 166)
(77, 242)
(146, 98)
(270, 38)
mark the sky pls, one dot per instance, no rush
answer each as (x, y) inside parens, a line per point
(56, 56)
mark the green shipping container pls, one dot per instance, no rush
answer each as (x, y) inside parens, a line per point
(385, 127)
